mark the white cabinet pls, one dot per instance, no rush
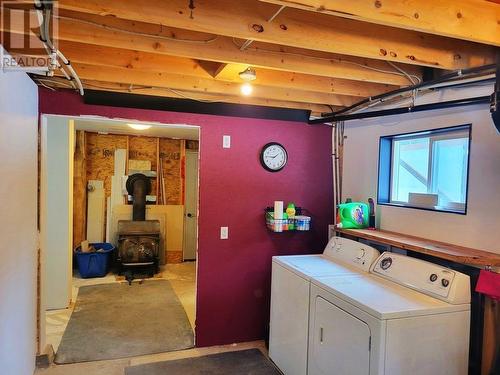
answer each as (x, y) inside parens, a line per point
(340, 343)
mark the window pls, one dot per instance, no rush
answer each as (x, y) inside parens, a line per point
(425, 170)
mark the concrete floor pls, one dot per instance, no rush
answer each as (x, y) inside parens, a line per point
(182, 277)
(117, 366)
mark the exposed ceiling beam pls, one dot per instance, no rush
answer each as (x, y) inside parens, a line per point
(306, 82)
(247, 19)
(473, 20)
(316, 109)
(224, 50)
(204, 85)
(136, 60)
(113, 32)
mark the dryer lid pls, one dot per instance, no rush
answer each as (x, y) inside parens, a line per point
(384, 299)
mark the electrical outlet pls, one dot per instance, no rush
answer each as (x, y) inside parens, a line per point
(224, 233)
(226, 141)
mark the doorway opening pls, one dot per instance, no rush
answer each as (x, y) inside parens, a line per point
(114, 284)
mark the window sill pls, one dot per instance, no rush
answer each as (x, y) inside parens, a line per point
(401, 205)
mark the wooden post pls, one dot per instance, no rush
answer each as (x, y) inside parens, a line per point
(79, 190)
(491, 335)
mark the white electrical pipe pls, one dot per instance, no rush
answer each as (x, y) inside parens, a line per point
(44, 19)
(71, 70)
(334, 178)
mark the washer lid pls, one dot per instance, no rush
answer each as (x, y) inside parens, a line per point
(384, 299)
(309, 266)
(340, 257)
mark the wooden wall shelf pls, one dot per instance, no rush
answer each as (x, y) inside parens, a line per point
(455, 253)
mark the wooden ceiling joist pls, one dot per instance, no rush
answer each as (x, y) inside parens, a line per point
(473, 20)
(247, 19)
(94, 30)
(223, 49)
(316, 109)
(196, 84)
(143, 61)
(307, 54)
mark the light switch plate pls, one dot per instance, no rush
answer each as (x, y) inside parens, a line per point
(226, 141)
(224, 233)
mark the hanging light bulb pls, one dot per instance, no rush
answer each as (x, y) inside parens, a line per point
(247, 75)
(246, 89)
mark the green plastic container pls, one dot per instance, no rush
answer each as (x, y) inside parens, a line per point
(353, 215)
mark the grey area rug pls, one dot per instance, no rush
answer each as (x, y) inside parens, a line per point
(244, 362)
(117, 320)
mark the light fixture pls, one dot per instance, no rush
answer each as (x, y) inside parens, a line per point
(139, 126)
(246, 89)
(248, 74)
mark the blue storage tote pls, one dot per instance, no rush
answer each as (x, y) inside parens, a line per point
(94, 264)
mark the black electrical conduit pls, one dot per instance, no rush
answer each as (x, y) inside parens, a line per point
(402, 110)
(335, 116)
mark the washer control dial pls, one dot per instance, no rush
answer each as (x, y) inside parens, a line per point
(433, 277)
(445, 282)
(361, 253)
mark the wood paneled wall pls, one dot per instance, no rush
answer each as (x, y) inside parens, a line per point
(172, 160)
(100, 156)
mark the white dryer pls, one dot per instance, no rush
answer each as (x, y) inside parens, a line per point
(290, 291)
(406, 317)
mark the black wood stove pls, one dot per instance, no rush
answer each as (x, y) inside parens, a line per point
(138, 239)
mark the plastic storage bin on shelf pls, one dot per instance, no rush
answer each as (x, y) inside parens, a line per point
(302, 223)
(94, 264)
(298, 223)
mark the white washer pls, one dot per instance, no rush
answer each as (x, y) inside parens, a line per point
(290, 291)
(406, 317)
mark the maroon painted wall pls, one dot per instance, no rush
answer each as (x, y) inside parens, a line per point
(234, 275)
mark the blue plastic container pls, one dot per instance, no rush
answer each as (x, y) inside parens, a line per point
(94, 264)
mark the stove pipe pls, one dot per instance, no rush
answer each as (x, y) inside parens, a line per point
(138, 185)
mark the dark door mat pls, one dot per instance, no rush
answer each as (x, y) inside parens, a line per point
(117, 320)
(243, 362)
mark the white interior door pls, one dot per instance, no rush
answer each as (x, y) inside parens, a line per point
(340, 343)
(56, 210)
(191, 205)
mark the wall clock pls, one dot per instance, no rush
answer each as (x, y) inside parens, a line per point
(273, 157)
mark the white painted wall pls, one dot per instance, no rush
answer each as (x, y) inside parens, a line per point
(56, 210)
(480, 227)
(18, 222)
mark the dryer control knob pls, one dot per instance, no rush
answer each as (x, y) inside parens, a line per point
(433, 277)
(445, 282)
(385, 263)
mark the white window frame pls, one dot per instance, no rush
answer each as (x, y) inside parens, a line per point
(430, 181)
